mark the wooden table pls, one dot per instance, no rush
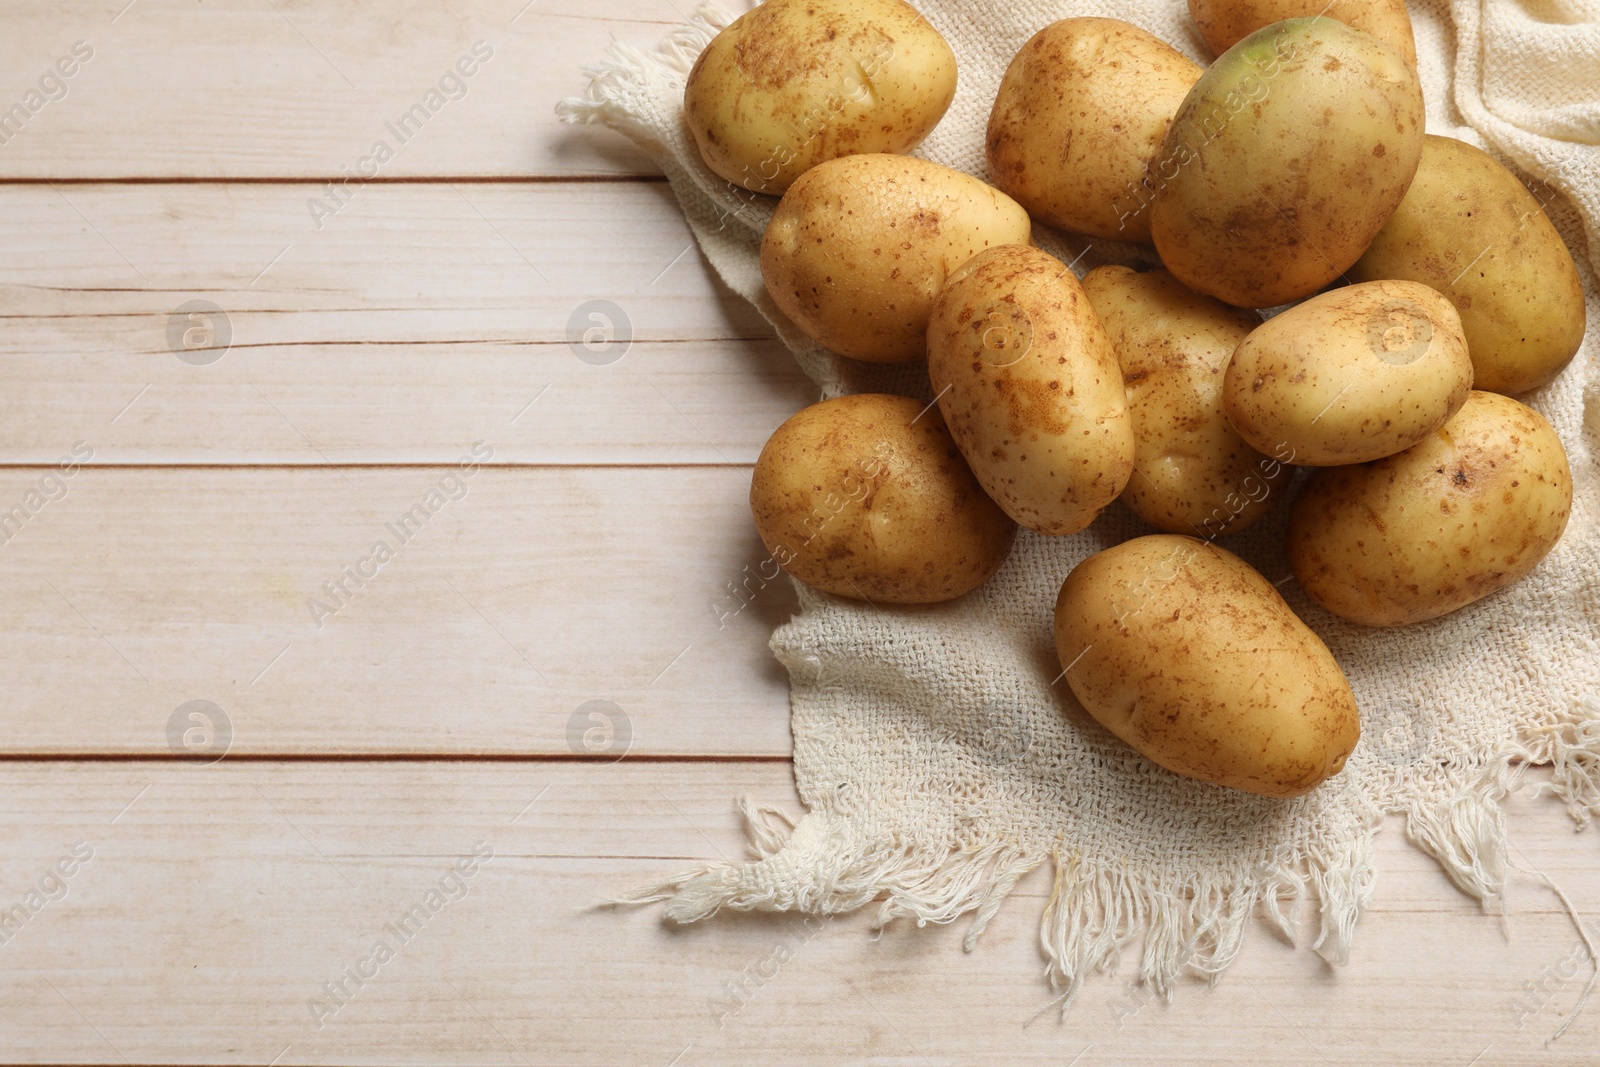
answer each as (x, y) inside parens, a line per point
(255, 377)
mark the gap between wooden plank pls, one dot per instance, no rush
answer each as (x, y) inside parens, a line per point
(412, 757)
(386, 757)
(387, 465)
(320, 179)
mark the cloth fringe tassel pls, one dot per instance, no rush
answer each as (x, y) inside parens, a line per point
(629, 71)
(1193, 922)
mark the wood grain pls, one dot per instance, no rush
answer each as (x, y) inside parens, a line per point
(303, 89)
(422, 318)
(219, 902)
(501, 612)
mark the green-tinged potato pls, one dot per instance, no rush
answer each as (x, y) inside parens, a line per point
(1470, 510)
(1223, 23)
(1284, 161)
(1350, 376)
(1471, 230)
(860, 497)
(794, 82)
(1183, 651)
(1030, 388)
(860, 245)
(1193, 473)
(1079, 116)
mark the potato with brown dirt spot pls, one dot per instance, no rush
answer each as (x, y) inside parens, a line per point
(860, 246)
(1080, 113)
(1223, 23)
(1350, 376)
(866, 496)
(1284, 161)
(1030, 388)
(1183, 651)
(795, 82)
(1447, 522)
(1193, 473)
(1471, 230)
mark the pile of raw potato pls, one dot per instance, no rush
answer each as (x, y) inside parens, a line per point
(1430, 288)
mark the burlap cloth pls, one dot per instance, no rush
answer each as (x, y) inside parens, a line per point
(938, 763)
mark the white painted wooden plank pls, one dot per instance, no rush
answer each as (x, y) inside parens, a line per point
(692, 402)
(420, 318)
(441, 262)
(295, 88)
(219, 900)
(526, 594)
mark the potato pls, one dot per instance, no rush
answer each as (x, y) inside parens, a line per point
(1193, 472)
(1467, 512)
(1468, 228)
(1225, 22)
(1080, 114)
(1350, 376)
(861, 497)
(859, 247)
(1030, 388)
(795, 82)
(1284, 161)
(1183, 651)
